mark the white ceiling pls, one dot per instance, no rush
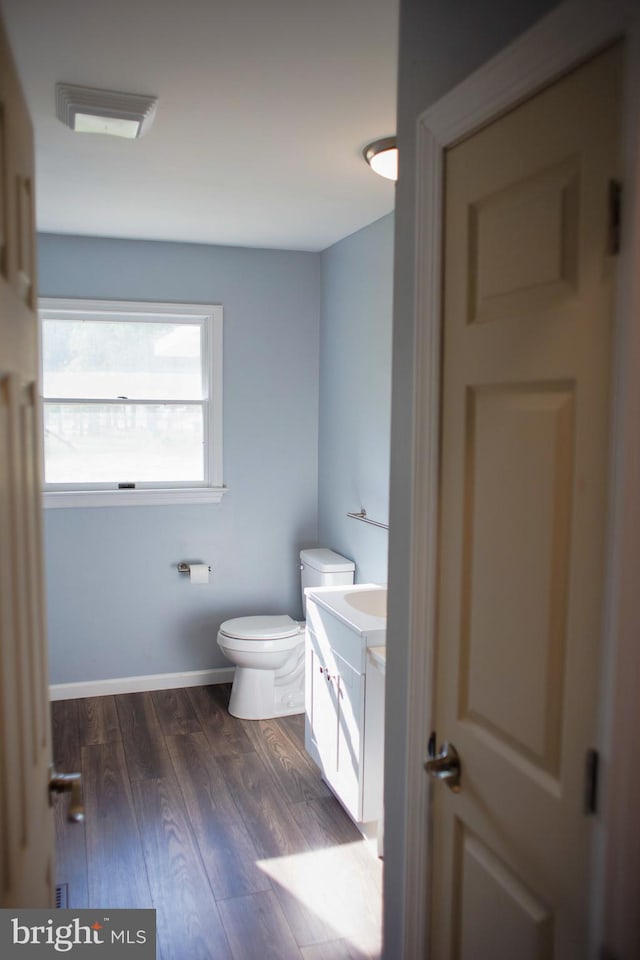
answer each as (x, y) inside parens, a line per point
(264, 108)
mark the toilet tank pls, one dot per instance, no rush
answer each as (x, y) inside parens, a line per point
(320, 567)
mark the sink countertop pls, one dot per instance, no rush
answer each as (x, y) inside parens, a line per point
(373, 629)
(379, 656)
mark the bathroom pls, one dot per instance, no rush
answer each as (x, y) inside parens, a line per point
(307, 370)
(307, 410)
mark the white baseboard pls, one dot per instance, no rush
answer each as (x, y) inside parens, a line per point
(157, 681)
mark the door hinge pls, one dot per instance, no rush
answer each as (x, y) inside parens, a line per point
(615, 217)
(591, 767)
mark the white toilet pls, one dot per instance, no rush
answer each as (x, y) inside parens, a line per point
(269, 651)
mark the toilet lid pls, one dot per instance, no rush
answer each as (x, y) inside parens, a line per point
(260, 628)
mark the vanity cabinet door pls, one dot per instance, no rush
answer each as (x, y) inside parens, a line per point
(321, 713)
(335, 705)
(372, 791)
(347, 780)
(334, 722)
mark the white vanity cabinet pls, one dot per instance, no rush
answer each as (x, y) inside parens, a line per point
(343, 732)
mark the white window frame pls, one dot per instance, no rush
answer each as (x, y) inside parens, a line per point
(209, 317)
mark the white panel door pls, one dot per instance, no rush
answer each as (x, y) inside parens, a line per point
(26, 823)
(528, 281)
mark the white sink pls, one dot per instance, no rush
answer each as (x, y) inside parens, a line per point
(362, 608)
(371, 602)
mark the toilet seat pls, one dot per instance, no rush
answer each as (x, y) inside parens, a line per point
(260, 628)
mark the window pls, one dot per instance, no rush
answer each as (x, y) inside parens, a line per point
(132, 397)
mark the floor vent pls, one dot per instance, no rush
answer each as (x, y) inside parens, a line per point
(62, 896)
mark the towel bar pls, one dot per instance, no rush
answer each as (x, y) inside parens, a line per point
(362, 515)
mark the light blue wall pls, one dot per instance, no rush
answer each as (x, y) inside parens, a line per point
(355, 396)
(116, 604)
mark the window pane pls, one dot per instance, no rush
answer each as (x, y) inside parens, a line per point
(112, 359)
(119, 443)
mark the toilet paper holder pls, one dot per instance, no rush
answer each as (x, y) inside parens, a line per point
(186, 567)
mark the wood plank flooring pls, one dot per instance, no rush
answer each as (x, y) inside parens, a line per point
(223, 825)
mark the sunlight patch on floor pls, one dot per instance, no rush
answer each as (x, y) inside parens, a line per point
(341, 885)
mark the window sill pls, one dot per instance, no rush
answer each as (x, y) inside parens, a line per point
(131, 498)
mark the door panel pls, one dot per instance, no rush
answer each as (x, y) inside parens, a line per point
(511, 269)
(24, 245)
(489, 890)
(26, 822)
(524, 441)
(519, 453)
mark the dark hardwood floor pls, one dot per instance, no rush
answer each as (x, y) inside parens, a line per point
(223, 825)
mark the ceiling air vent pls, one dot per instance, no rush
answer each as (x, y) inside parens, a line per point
(88, 110)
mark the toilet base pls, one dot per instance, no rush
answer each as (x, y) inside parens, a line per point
(258, 694)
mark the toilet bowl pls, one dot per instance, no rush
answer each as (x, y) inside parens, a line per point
(269, 652)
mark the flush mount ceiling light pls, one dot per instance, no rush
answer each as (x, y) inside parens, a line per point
(382, 157)
(87, 110)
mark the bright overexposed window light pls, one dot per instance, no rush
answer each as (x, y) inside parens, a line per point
(131, 395)
(382, 157)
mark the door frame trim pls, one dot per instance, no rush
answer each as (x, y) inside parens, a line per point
(570, 34)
